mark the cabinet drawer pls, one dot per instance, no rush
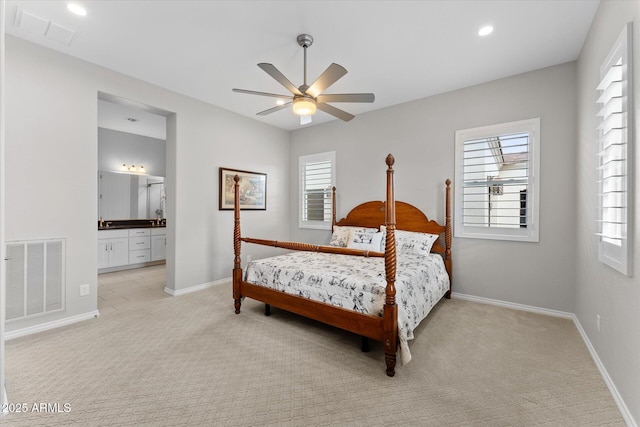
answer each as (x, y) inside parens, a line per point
(139, 232)
(136, 243)
(143, 255)
(112, 234)
(160, 231)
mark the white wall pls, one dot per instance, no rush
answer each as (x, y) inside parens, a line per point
(600, 289)
(51, 151)
(420, 135)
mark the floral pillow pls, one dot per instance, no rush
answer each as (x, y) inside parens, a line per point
(340, 236)
(414, 242)
(365, 241)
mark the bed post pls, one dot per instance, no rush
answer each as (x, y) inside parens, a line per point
(333, 207)
(237, 269)
(447, 237)
(390, 311)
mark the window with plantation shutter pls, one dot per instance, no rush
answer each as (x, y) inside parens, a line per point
(497, 181)
(614, 130)
(317, 177)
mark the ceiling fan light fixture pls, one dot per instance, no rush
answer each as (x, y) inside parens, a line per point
(304, 106)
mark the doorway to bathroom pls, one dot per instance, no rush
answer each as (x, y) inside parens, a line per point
(132, 212)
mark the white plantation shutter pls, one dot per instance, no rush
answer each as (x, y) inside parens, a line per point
(497, 181)
(317, 174)
(614, 130)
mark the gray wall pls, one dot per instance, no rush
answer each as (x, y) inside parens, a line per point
(600, 289)
(116, 148)
(420, 135)
(52, 158)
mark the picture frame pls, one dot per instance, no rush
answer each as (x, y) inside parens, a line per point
(253, 189)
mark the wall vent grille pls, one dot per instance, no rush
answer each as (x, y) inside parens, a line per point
(35, 278)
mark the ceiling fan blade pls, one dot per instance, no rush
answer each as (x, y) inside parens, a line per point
(346, 97)
(274, 109)
(273, 72)
(253, 92)
(326, 79)
(336, 112)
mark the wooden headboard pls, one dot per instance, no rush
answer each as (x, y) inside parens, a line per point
(408, 217)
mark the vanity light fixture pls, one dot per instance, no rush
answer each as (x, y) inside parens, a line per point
(77, 9)
(485, 31)
(133, 169)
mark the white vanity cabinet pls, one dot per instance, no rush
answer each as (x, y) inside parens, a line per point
(139, 245)
(125, 248)
(158, 244)
(113, 248)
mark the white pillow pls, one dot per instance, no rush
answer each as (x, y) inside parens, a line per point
(340, 236)
(365, 241)
(414, 242)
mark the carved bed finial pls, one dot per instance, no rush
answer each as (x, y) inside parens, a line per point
(390, 160)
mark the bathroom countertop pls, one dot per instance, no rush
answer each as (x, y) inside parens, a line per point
(132, 223)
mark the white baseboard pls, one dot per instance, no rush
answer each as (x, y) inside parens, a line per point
(513, 305)
(624, 411)
(196, 288)
(626, 414)
(50, 325)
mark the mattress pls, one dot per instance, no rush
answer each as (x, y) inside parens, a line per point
(358, 283)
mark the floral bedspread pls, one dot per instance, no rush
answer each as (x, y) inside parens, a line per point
(358, 283)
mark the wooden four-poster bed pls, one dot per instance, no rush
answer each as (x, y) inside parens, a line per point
(369, 308)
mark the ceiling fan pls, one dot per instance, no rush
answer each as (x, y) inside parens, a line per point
(307, 98)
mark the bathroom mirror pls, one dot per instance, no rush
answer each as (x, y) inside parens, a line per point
(124, 196)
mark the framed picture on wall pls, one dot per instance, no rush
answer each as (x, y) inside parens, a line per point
(253, 189)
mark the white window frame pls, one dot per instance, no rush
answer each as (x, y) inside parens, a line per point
(532, 231)
(314, 158)
(615, 156)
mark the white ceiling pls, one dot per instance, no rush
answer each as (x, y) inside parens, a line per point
(399, 50)
(124, 117)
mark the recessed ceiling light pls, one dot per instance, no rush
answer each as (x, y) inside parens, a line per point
(485, 31)
(77, 9)
(280, 102)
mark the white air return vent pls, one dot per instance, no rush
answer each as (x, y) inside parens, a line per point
(35, 278)
(60, 34)
(37, 25)
(27, 21)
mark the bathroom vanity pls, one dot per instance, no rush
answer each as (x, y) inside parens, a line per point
(130, 244)
(141, 239)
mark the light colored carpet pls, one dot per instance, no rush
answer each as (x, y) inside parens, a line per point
(190, 360)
